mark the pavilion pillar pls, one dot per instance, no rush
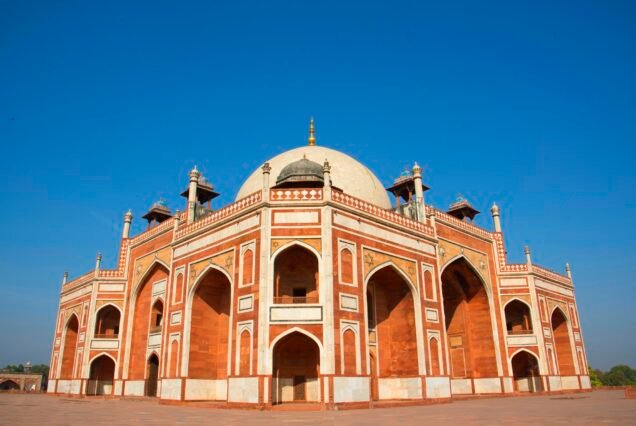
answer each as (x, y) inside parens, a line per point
(192, 193)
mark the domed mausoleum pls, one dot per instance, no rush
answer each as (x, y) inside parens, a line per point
(313, 287)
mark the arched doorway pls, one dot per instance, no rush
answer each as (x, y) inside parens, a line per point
(153, 375)
(141, 325)
(468, 322)
(562, 345)
(70, 348)
(107, 322)
(296, 276)
(296, 367)
(518, 320)
(9, 385)
(101, 376)
(209, 327)
(392, 332)
(525, 369)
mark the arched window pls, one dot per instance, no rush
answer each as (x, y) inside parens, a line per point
(107, 322)
(518, 320)
(296, 276)
(346, 266)
(349, 352)
(156, 316)
(248, 267)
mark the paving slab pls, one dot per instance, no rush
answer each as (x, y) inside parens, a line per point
(599, 407)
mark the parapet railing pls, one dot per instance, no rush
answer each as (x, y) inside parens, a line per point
(296, 194)
(547, 273)
(469, 227)
(292, 300)
(227, 211)
(388, 215)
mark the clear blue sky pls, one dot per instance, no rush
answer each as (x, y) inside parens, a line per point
(105, 106)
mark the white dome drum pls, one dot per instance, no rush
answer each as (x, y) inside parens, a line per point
(346, 173)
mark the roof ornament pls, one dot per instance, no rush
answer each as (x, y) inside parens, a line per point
(312, 133)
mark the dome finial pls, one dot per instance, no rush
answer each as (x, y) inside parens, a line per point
(312, 133)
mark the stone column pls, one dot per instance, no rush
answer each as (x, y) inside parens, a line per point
(419, 193)
(266, 171)
(128, 217)
(98, 261)
(326, 170)
(192, 193)
(494, 210)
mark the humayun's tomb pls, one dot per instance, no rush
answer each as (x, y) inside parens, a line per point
(312, 286)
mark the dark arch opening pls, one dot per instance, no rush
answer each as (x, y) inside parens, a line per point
(101, 377)
(468, 322)
(156, 316)
(518, 319)
(9, 385)
(209, 327)
(296, 276)
(296, 370)
(153, 375)
(107, 322)
(525, 369)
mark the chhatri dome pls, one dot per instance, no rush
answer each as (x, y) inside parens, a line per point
(347, 174)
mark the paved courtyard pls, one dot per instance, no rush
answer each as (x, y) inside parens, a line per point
(603, 407)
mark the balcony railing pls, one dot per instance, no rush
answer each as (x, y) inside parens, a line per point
(519, 332)
(106, 336)
(290, 300)
(155, 329)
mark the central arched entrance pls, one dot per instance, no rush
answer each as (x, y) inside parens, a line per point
(9, 385)
(468, 322)
(392, 330)
(296, 367)
(525, 369)
(296, 276)
(209, 327)
(101, 377)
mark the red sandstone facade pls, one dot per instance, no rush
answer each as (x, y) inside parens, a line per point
(313, 294)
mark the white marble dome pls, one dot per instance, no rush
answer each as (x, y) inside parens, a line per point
(346, 173)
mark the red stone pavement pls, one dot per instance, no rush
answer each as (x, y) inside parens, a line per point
(599, 407)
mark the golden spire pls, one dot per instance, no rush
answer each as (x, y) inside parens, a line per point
(312, 133)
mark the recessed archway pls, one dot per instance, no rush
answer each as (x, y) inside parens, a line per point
(518, 318)
(296, 367)
(392, 326)
(152, 379)
(107, 322)
(525, 369)
(70, 348)
(102, 374)
(209, 326)
(9, 385)
(296, 274)
(561, 335)
(468, 322)
(141, 323)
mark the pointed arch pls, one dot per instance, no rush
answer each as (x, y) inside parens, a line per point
(101, 374)
(525, 368)
(138, 328)
(395, 320)
(208, 341)
(518, 316)
(69, 350)
(561, 331)
(296, 274)
(295, 367)
(107, 321)
(469, 322)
